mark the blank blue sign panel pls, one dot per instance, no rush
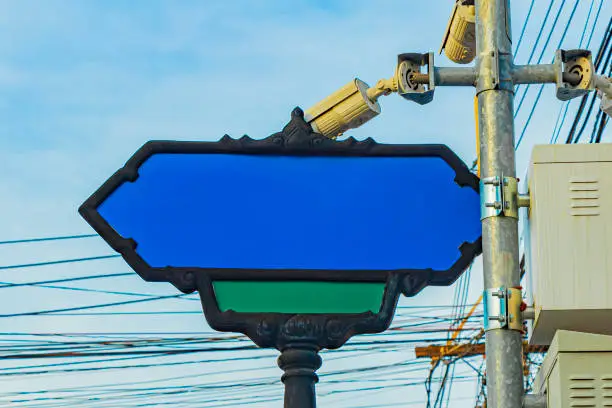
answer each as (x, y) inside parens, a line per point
(295, 212)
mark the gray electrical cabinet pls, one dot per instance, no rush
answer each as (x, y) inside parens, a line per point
(577, 371)
(568, 240)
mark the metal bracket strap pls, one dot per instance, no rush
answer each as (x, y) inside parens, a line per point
(502, 309)
(492, 80)
(495, 77)
(499, 197)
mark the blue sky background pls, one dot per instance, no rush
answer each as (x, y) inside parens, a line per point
(85, 83)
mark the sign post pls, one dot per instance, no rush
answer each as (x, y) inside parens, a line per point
(298, 241)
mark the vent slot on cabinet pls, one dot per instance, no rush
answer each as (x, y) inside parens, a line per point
(606, 390)
(582, 391)
(584, 196)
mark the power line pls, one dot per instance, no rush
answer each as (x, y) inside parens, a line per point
(71, 309)
(518, 45)
(63, 261)
(549, 36)
(535, 104)
(78, 278)
(539, 36)
(158, 312)
(587, 22)
(594, 24)
(602, 125)
(603, 119)
(108, 292)
(559, 125)
(58, 238)
(594, 96)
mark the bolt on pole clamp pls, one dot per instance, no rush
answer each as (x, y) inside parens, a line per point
(499, 197)
(502, 309)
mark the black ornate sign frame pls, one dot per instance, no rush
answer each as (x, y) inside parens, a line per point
(276, 329)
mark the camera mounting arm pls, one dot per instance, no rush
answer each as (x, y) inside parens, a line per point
(416, 77)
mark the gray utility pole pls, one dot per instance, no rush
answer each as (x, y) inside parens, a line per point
(494, 77)
(495, 92)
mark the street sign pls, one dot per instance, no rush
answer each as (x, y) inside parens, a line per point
(292, 224)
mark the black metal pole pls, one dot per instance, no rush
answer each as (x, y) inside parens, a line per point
(299, 361)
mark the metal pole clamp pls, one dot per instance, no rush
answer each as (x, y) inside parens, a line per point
(502, 309)
(499, 197)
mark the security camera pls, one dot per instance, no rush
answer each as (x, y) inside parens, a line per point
(459, 42)
(347, 108)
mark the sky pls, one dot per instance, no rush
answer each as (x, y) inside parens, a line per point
(85, 83)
